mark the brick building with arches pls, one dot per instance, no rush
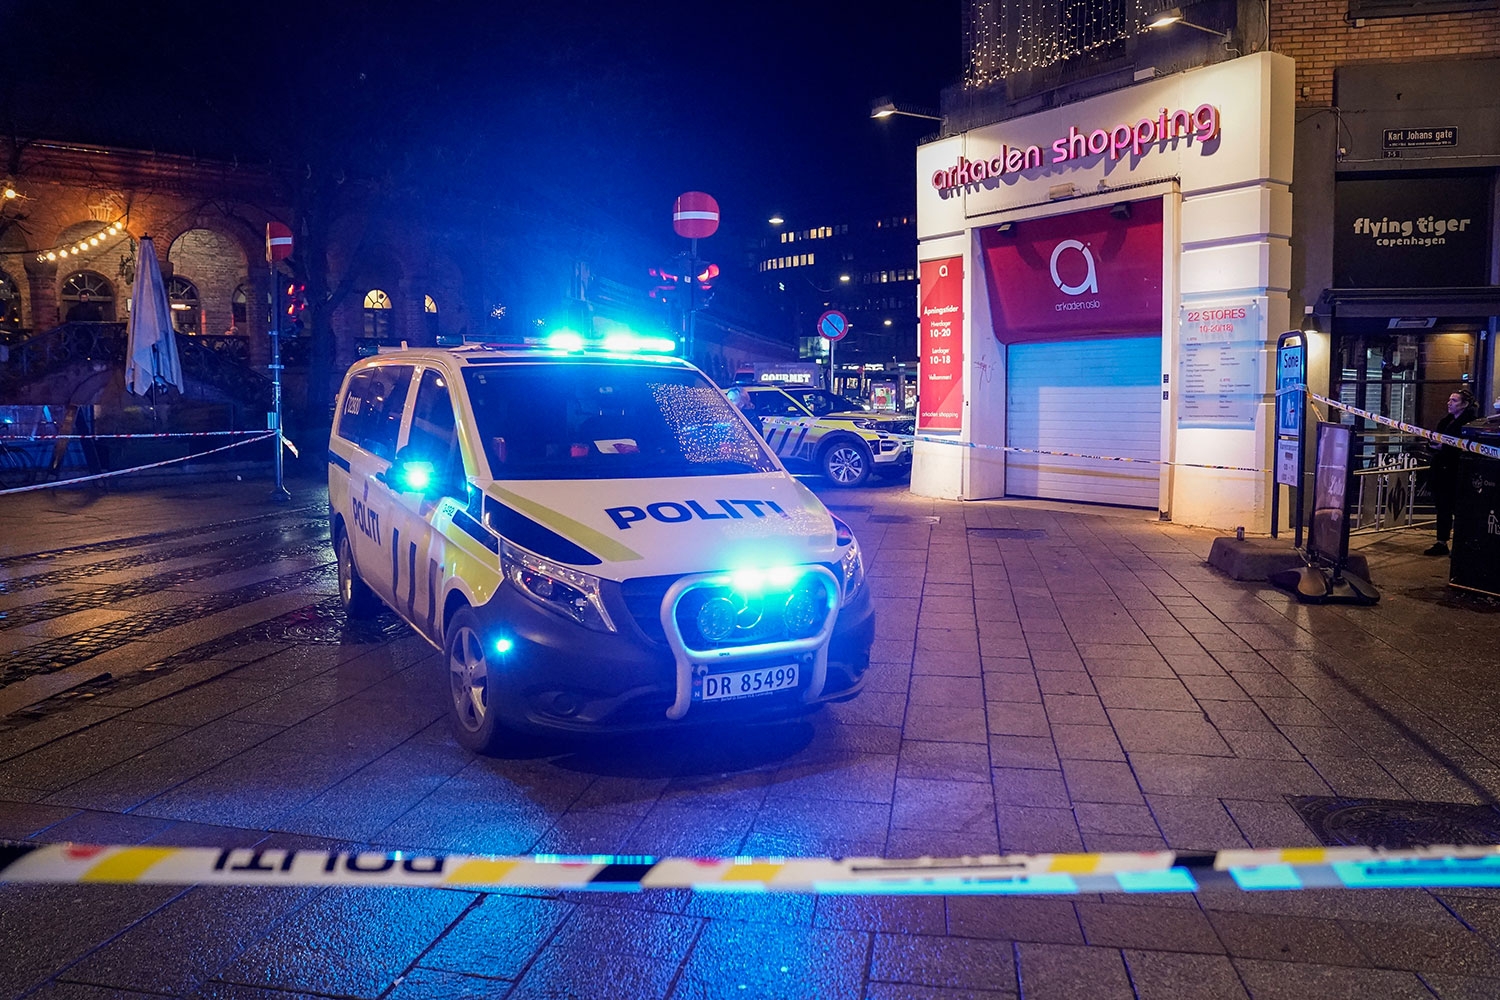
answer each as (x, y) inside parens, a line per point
(70, 232)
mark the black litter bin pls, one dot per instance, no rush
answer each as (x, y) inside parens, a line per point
(1475, 564)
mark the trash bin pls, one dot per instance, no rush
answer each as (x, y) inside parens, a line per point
(1475, 564)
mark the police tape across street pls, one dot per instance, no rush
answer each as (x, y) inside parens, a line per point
(1015, 874)
(261, 436)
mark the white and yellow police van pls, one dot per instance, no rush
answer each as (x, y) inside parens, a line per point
(596, 540)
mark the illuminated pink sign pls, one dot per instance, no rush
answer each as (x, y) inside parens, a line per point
(1200, 125)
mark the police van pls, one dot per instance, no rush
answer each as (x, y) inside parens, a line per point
(595, 538)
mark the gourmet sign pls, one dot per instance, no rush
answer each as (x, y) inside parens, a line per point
(1200, 125)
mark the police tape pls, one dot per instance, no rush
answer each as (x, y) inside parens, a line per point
(112, 437)
(1447, 440)
(137, 468)
(932, 439)
(1017, 874)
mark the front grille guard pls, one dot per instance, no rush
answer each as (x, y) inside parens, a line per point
(687, 657)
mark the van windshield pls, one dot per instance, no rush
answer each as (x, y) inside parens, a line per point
(577, 420)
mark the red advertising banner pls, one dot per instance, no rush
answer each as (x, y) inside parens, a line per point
(1076, 275)
(940, 345)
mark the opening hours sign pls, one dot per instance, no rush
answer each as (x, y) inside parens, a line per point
(940, 345)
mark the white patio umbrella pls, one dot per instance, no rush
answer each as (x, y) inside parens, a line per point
(151, 350)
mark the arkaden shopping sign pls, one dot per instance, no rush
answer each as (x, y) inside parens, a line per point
(1199, 125)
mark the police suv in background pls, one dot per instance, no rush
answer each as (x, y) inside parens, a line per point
(597, 540)
(816, 429)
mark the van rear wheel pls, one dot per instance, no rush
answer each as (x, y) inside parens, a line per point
(358, 600)
(472, 693)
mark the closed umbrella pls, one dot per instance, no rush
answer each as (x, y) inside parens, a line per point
(151, 351)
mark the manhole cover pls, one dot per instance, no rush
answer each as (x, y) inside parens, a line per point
(1024, 534)
(1341, 822)
(904, 518)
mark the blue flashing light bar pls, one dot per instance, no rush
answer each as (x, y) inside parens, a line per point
(616, 342)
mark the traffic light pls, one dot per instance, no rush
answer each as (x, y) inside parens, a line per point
(296, 305)
(707, 276)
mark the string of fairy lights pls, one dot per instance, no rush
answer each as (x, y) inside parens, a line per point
(85, 244)
(1004, 38)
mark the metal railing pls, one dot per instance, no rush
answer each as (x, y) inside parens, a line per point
(1388, 494)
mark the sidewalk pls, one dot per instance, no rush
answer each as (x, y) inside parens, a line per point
(1047, 678)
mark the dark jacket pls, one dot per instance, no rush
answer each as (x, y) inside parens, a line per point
(1444, 457)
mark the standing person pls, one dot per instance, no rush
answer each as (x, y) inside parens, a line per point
(1461, 410)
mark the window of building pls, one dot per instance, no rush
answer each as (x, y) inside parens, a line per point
(239, 304)
(377, 314)
(88, 297)
(430, 318)
(182, 296)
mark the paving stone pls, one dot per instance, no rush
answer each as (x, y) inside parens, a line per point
(1100, 817)
(1006, 664)
(1236, 715)
(942, 723)
(1011, 687)
(1061, 971)
(1023, 751)
(949, 663)
(1149, 731)
(432, 984)
(1052, 921)
(179, 947)
(1454, 949)
(1101, 781)
(1285, 938)
(76, 756)
(1152, 928)
(944, 760)
(852, 777)
(1034, 830)
(885, 914)
(1025, 787)
(1194, 823)
(1065, 682)
(1075, 709)
(1225, 777)
(1016, 718)
(1450, 987)
(922, 804)
(1259, 745)
(948, 692)
(1163, 975)
(1284, 981)
(905, 991)
(944, 962)
(1087, 743)
(1145, 693)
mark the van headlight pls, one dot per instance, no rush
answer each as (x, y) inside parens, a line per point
(851, 562)
(558, 588)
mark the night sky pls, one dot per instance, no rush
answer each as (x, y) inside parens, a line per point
(603, 110)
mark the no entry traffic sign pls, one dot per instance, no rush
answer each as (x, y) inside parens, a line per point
(278, 242)
(695, 215)
(832, 325)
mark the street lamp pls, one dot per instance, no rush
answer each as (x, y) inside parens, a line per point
(776, 219)
(1173, 15)
(885, 107)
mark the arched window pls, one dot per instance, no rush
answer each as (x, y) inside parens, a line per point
(182, 295)
(377, 314)
(88, 297)
(430, 318)
(239, 303)
(10, 304)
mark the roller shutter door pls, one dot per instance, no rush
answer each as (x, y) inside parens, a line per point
(1096, 397)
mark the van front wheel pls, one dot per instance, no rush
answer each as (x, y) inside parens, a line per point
(472, 692)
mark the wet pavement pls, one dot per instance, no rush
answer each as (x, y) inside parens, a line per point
(174, 670)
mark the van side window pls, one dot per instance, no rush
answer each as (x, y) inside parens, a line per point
(434, 433)
(371, 414)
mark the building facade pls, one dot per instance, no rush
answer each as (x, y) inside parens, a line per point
(864, 269)
(1111, 243)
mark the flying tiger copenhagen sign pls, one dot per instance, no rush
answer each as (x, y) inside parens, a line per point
(1200, 125)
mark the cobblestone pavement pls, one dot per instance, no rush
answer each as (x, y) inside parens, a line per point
(174, 670)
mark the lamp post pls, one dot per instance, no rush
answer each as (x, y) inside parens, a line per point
(885, 108)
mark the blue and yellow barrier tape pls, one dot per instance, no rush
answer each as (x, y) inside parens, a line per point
(1016, 874)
